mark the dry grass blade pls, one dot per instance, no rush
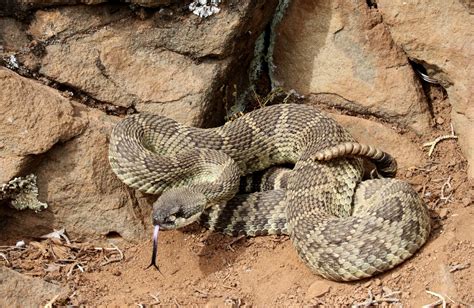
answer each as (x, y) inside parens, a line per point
(440, 301)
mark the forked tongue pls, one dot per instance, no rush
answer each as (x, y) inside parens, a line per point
(155, 248)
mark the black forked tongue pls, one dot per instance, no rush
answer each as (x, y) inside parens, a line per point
(155, 249)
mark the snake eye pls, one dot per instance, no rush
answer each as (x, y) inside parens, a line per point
(171, 219)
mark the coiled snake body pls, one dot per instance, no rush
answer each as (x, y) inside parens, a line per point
(342, 227)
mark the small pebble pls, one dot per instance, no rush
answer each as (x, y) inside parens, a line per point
(439, 121)
(466, 201)
(317, 289)
(378, 282)
(409, 174)
(443, 213)
(117, 273)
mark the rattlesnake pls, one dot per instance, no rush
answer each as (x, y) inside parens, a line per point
(342, 228)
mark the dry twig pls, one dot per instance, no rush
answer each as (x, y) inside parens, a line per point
(235, 240)
(52, 301)
(440, 301)
(458, 267)
(372, 300)
(432, 144)
(112, 260)
(446, 185)
(78, 265)
(5, 258)
(58, 234)
(156, 297)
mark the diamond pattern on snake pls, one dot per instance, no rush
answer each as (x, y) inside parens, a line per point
(343, 228)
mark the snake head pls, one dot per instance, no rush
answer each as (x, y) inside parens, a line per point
(178, 207)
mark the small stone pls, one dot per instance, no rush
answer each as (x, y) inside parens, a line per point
(466, 201)
(439, 120)
(443, 213)
(409, 174)
(317, 289)
(117, 272)
(378, 282)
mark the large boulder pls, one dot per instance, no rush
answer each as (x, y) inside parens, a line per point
(83, 194)
(100, 57)
(341, 53)
(161, 64)
(438, 35)
(33, 119)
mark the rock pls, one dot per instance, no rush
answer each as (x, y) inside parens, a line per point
(83, 194)
(173, 68)
(438, 35)
(317, 289)
(365, 131)
(14, 7)
(179, 66)
(66, 22)
(34, 118)
(11, 36)
(466, 201)
(443, 213)
(21, 291)
(341, 53)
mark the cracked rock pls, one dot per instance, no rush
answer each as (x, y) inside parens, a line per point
(340, 52)
(173, 67)
(33, 119)
(438, 35)
(18, 290)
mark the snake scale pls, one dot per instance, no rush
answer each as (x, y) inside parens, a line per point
(343, 228)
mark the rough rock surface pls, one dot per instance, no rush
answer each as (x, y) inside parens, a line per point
(11, 35)
(108, 56)
(18, 290)
(341, 52)
(161, 64)
(83, 194)
(33, 119)
(12, 7)
(438, 34)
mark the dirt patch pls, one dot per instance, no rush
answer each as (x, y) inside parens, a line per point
(204, 268)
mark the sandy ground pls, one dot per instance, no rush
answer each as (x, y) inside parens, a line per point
(204, 268)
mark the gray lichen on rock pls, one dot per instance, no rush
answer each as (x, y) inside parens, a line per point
(263, 53)
(23, 193)
(204, 8)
